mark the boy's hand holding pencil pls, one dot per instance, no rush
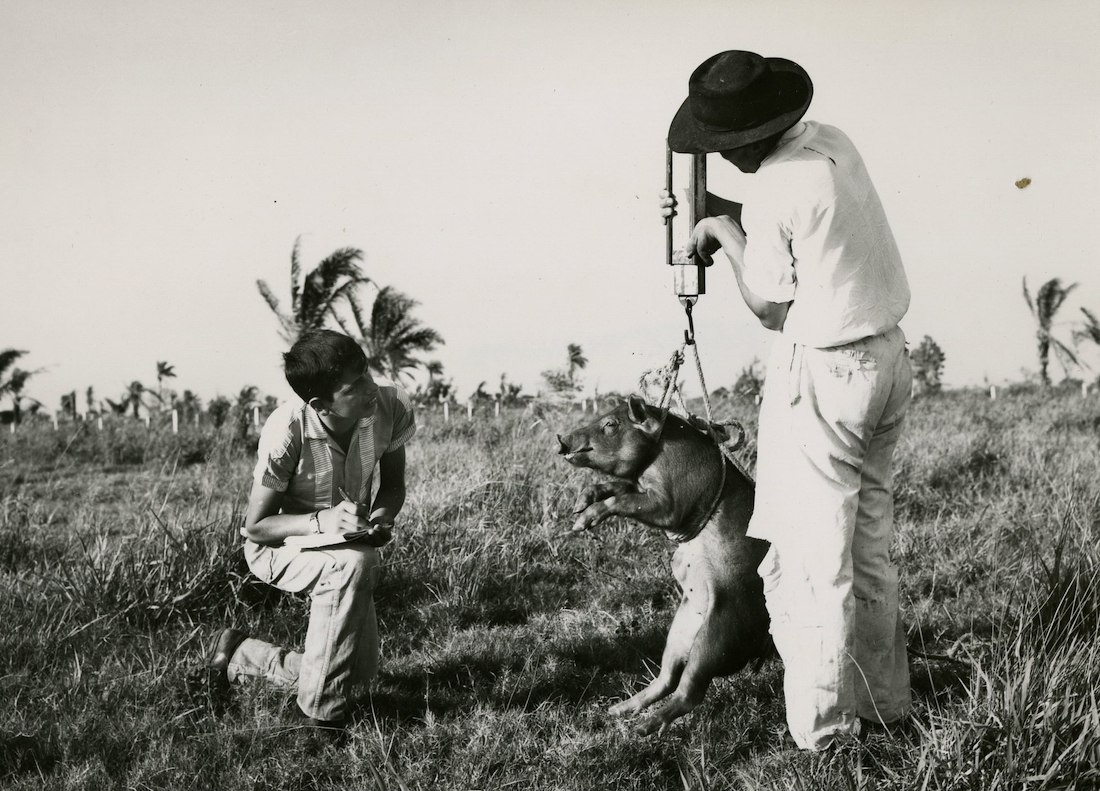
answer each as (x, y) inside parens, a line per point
(377, 532)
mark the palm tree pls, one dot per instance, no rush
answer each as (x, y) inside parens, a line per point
(434, 369)
(190, 405)
(315, 299)
(68, 404)
(577, 361)
(1047, 301)
(164, 371)
(392, 336)
(247, 400)
(133, 399)
(17, 379)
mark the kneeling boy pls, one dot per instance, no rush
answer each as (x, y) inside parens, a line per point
(310, 455)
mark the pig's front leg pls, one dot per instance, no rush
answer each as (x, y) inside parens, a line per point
(648, 507)
(601, 491)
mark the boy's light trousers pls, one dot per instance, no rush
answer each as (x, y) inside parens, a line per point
(829, 423)
(341, 647)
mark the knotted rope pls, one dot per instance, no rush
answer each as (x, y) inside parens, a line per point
(716, 431)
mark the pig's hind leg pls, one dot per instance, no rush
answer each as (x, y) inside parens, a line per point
(716, 651)
(693, 683)
(681, 636)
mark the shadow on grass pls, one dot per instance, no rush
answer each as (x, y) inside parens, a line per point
(559, 672)
(938, 681)
(27, 753)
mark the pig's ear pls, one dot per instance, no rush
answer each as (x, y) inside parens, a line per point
(636, 409)
(649, 423)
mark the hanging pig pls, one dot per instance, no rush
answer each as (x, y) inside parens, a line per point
(670, 475)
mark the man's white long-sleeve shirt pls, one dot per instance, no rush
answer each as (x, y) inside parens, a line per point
(817, 236)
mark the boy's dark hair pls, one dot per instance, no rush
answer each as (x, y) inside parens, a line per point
(316, 361)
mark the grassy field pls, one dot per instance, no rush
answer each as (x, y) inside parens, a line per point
(503, 646)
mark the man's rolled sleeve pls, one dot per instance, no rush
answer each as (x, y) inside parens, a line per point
(769, 265)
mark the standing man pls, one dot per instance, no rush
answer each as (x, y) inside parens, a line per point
(815, 260)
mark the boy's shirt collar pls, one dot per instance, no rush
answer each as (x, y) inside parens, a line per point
(315, 429)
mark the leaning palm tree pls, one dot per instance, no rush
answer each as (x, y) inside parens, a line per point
(12, 386)
(164, 371)
(577, 362)
(7, 360)
(392, 336)
(315, 298)
(1047, 301)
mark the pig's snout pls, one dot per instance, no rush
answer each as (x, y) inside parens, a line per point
(570, 448)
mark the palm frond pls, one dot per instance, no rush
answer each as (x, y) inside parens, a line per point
(1090, 331)
(295, 276)
(1027, 297)
(341, 323)
(1049, 299)
(320, 284)
(1064, 354)
(287, 324)
(394, 335)
(357, 309)
(7, 357)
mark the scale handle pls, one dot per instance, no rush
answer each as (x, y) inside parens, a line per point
(689, 279)
(668, 188)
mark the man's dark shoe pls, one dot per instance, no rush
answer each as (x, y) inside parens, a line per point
(218, 661)
(904, 727)
(330, 731)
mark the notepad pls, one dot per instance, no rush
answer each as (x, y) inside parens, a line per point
(322, 540)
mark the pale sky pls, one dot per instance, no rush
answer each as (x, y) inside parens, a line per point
(499, 162)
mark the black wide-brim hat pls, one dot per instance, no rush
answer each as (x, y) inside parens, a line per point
(736, 98)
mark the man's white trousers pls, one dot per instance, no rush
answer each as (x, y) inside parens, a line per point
(829, 424)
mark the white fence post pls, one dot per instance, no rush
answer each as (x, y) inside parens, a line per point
(256, 416)
(148, 420)
(1084, 389)
(469, 410)
(99, 422)
(446, 413)
(175, 421)
(497, 409)
(993, 392)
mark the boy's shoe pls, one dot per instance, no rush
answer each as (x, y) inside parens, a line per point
(222, 651)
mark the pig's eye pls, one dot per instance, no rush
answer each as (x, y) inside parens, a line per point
(610, 427)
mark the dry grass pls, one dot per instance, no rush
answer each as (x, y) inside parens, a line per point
(503, 646)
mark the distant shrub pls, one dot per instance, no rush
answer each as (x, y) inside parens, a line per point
(927, 360)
